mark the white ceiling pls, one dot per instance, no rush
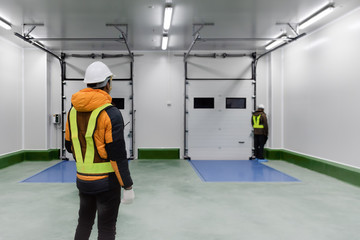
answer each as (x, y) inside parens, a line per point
(231, 19)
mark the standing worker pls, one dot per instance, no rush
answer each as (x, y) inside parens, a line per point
(260, 125)
(95, 136)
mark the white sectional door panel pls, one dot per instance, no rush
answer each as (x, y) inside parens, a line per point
(219, 133)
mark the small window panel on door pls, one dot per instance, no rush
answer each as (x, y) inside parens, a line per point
(204, 102)
(235, 103)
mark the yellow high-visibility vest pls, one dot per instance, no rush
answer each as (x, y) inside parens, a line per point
(87, 165)
(256, 120)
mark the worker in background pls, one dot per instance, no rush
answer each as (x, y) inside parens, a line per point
(260, 125)
(95, 136)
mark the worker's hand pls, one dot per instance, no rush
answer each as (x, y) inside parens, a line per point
(128, 196)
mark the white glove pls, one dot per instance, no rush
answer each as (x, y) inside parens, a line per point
(128, 196)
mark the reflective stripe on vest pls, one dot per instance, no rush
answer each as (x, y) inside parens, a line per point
(87, 165)
(256, 120)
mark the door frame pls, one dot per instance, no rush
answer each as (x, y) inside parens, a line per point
(64, 79)
(188, 79)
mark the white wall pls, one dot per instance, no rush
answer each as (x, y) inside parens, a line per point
(11, 100)
(159, 100)
(25, 99)
(36, 99)
(276, 103)
(320, 76)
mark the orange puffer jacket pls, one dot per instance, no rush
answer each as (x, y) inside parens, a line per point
(85, 101)
(108, 138)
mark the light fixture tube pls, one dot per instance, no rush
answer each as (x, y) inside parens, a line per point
(165, 40)
(5, 24)
(316, 16)
(275, 43)
(167, 17)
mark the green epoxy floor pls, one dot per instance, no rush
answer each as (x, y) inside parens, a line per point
(172, 203)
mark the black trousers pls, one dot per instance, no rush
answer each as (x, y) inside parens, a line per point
(259, 142)
(106, 204)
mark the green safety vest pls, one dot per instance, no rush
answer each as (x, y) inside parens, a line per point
(87, 165)
(256, 120)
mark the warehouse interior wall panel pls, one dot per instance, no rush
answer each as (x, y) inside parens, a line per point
(320, 79)
(11, 97)
(276, 118)
(159, 100)
(35, 99)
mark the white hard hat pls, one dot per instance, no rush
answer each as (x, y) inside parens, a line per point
(261, 106)
(97, 72)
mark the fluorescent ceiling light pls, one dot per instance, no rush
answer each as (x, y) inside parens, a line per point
(167, 17)
(316, 16)
(165, 40)
(276, 43)
(5, 24)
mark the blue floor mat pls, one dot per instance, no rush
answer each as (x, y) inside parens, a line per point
(62, 172)
(208, 171)
(238, 171)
